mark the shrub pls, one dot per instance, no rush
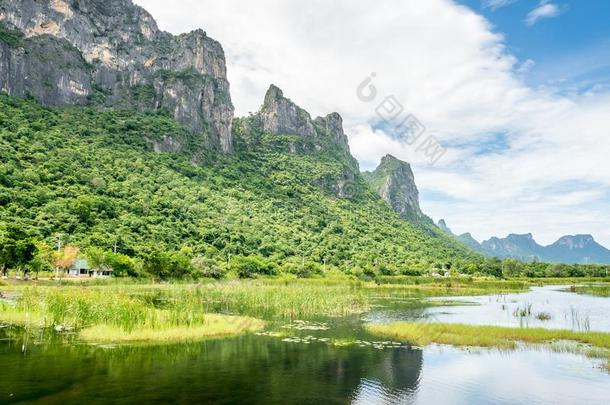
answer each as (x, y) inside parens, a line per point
(204, 267)
(252, 266)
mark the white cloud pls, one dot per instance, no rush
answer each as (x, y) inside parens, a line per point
(496, 4)
(544, 10)
(526, 66)
(522, 159)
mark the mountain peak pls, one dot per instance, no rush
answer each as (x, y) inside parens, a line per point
(525, 236)
(395, 183)
(575, 241)
(273, 94)
(281, 116)
(443, 225)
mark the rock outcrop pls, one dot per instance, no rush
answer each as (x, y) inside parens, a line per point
(279, 115)
(394, 182)
(443, 225)
(111, 54)
(283, 126)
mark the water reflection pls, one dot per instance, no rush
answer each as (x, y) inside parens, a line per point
(244, 370)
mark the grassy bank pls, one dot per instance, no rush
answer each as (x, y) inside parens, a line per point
(116, 314)
(596, 290)
(212, 326)
(422, 334)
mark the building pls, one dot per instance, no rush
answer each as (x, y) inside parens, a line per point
(81, 268)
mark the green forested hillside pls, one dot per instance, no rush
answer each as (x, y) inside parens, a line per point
(94, 178)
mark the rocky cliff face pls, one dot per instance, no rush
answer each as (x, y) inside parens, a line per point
(443, 225)
(283, 126)
(281, 116)
(394, 182)
(110, 53)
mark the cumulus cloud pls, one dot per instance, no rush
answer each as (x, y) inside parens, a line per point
(544, 10)
(519, 159)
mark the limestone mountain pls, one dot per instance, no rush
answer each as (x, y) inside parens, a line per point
(567, 248)
(104, 120)
(394, 181)
(283, 126)
(522, 247)
(111, 54)
(577, 249)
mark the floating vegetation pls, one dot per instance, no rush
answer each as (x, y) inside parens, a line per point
(270, 334)
(307, 325)
(344, 342)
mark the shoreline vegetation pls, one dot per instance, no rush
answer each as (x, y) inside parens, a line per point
(130, 310)
(595, 290)
(108, 312)
(593, 344)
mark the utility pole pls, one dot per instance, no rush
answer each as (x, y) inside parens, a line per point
(115, 246)
(324, 265)
(58, 253)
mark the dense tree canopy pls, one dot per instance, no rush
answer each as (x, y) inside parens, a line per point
(94, 178)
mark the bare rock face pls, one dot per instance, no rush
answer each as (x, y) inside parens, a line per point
(110, 53)
(394, 182)
(280, 115)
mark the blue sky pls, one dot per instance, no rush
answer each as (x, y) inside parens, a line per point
(570, 50)
(519, 95)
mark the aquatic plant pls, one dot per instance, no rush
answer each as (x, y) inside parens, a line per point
(523, 312)
(544, 316)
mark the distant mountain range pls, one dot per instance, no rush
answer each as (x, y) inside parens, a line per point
(576, 249)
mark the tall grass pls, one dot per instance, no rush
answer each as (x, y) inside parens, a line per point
(116, 309)
(174, 305)
(423, 334)
(596, 290)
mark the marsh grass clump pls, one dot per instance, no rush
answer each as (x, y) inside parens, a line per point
(213, 325)
(523, 312)
(595, 290)
(544, 316)
(119, 313)
(594, 344)
(134, 312)
(289, 299)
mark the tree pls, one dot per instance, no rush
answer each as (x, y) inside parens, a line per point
(16, 250)
(252, 266)
(66, 258)
(204, 267)
(98, 258)
(123, 265)
(43, 258)
(166, 265)
(512, 268)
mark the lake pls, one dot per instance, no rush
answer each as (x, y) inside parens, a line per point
(324, 361)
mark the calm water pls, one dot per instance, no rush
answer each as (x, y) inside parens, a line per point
(330, 362)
